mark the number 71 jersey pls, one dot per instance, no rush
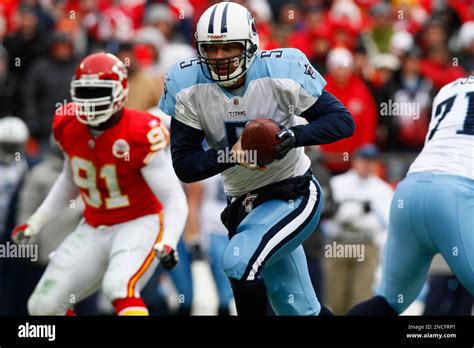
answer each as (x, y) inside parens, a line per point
(107, 167)
(449, 145)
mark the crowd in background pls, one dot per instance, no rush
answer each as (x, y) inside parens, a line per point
(385, 60)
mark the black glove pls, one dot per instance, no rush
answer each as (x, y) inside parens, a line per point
(167, 255)
(288, 140)
(195, 249)
(367, 206)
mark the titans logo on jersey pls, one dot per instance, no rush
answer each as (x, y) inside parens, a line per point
(279, 84)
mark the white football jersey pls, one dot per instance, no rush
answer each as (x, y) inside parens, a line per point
(279, 84)
(449, 144)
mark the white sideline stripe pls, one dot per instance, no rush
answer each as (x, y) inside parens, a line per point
(285, 231)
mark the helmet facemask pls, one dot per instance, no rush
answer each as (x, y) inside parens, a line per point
(242, 62)
(97, 100)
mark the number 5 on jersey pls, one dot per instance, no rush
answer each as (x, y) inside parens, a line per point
(85, 177)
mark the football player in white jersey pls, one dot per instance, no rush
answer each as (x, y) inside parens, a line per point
(271, 211)
(433, 207)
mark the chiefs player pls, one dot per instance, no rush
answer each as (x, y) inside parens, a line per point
(135, 205)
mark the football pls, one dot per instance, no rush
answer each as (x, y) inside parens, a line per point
(260, 135)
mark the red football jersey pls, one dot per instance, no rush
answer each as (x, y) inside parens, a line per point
(107, 167)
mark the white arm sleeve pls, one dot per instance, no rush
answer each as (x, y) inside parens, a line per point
(60, 196)
(162, 180)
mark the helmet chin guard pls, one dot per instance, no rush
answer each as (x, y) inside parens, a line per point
(226, 23)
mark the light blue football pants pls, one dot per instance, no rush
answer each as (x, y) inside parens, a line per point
(430, 213)
(268, 244)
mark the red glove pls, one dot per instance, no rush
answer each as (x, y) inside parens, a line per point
(22, 234)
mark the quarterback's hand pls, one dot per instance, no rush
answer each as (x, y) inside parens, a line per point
(288, 140)
(22, 234)
(167, 255)
(240, 156)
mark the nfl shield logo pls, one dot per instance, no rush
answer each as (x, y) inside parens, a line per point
(248, 202)
(309, 71)
(120, 148)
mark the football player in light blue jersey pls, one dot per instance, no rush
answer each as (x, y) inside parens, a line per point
(271, 210)
(432, 210)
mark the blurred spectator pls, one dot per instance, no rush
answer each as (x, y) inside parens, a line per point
(406, 130)
(320, 36)
(45, 21)
(440, 68)
(6, 86)
(13, 167)
(450, 20)
(410, 15)
(401, 42)
(351, 90)
(362, 64)
(260, 10)
(47, 86)
(434, 35)
(262, 14)
(114, 27)
(78, 35)
(151, 41)
(360, 222)
(346, 12)
(466, 41)
(7, 18)
(159, 16)
(293, 29)
(290, 15)
(23, 47)
(144, 91)
(314, 245)
(382, 29)
(382, 81)
(89, 18)
(464, 9)
(345, 21)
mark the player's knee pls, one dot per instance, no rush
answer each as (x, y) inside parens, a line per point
(234, 262)
(287, 302)
(39, 304)
(296, 305)
(114, 287)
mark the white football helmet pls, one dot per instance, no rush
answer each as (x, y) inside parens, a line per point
(13, 136)
(227, 22)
